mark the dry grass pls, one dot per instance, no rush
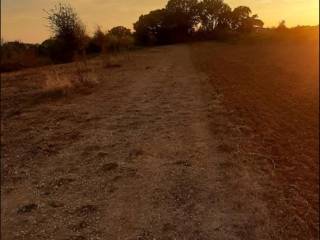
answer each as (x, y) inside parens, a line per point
(59, 83)
(112, 61)
(29, 87)
(56, 83)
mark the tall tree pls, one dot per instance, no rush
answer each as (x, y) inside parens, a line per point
(241, 20)
(149, 28)
(97, 42)
(238, 15)
(68, 30)
(182, 16)
(213, 13)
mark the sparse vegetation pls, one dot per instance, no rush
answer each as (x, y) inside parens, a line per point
(60, 83)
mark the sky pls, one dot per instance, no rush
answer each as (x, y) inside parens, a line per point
(24, 20)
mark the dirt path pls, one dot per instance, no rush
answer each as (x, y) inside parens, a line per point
(137, 159)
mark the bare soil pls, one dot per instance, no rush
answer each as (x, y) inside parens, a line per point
(273, 87)
(154, 151)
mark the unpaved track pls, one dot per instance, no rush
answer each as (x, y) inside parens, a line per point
(137, 159)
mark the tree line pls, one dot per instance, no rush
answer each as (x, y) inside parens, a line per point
(182, 20)
(71, 40)
(179, 21)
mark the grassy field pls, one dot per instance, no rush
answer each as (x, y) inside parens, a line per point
(272, 88)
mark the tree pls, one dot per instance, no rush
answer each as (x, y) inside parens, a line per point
(213, 13)
(149, 29)
(251, 23)
(241, 20)
(181, 17)
(68, 31)
(120, 31)
(97, 42)
(119, 38)
(282, 25)
(238, 15)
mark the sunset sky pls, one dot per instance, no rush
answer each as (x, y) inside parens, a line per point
(24, 20)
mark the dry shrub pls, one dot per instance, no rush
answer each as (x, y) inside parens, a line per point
(58, 83)
(112, 61)
(84, 76)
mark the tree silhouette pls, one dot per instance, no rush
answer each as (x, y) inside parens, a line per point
(120, 31)
(97, 42)
(241, 20)
(238, 15)
(282, 25)
(119, 38)
(181, 19)
(68, 30)
(149, 29)
(213, 13)
(250, 23)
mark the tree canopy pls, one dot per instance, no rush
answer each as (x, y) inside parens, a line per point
(182, 19)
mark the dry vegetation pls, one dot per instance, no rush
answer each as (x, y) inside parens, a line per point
(224, 135)
(272, 88)
(199, 141)
(25, 88)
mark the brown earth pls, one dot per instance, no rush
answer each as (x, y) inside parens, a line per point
(154, 151)
(273, 87)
